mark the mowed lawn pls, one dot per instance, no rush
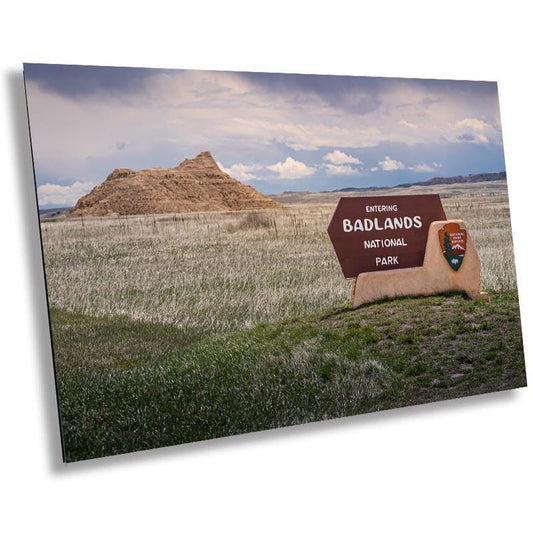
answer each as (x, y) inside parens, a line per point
(128, 385)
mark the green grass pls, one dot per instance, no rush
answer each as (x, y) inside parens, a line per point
(128, 385)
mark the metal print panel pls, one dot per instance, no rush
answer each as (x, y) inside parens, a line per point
(193, 290)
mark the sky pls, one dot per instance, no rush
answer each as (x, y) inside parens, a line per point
(276, 132)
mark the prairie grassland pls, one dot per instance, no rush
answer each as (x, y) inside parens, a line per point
(223, 271)
(176, 328)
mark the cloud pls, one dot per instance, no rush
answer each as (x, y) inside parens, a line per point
(389, 164)
(406, 124)
(422, 167)
(340, 169)
(291, 169)
(471, 138)
(471, 123)
(340, 163)
(241, 171)
(52, 194)
(338, 158)
(472, 130)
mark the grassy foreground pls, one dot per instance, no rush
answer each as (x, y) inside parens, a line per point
(128, 385)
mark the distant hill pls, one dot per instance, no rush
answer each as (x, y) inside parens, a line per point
(194, 185)
(471, 178)
(53, 212)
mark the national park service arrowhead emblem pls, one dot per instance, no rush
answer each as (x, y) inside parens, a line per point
(453, 244)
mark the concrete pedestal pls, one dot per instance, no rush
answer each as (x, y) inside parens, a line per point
(435, 276)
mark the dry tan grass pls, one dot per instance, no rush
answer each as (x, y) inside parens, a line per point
(222, 271)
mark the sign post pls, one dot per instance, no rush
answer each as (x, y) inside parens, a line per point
(402, 246)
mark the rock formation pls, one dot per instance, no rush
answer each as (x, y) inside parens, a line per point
(195, 185)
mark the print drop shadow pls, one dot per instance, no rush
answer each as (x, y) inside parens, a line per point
(28, 220)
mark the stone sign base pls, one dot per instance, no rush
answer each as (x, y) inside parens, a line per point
(435, 276)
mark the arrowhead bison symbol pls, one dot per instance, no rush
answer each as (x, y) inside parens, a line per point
(453, 244)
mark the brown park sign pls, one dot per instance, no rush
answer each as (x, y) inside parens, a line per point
(373, 233)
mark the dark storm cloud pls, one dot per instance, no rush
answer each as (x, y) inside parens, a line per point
(362, 94)
(78, 81)
(359, 95)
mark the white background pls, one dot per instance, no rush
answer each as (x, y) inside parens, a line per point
(463, 465)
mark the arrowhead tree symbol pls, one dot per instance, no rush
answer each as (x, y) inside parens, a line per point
(453, 243)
